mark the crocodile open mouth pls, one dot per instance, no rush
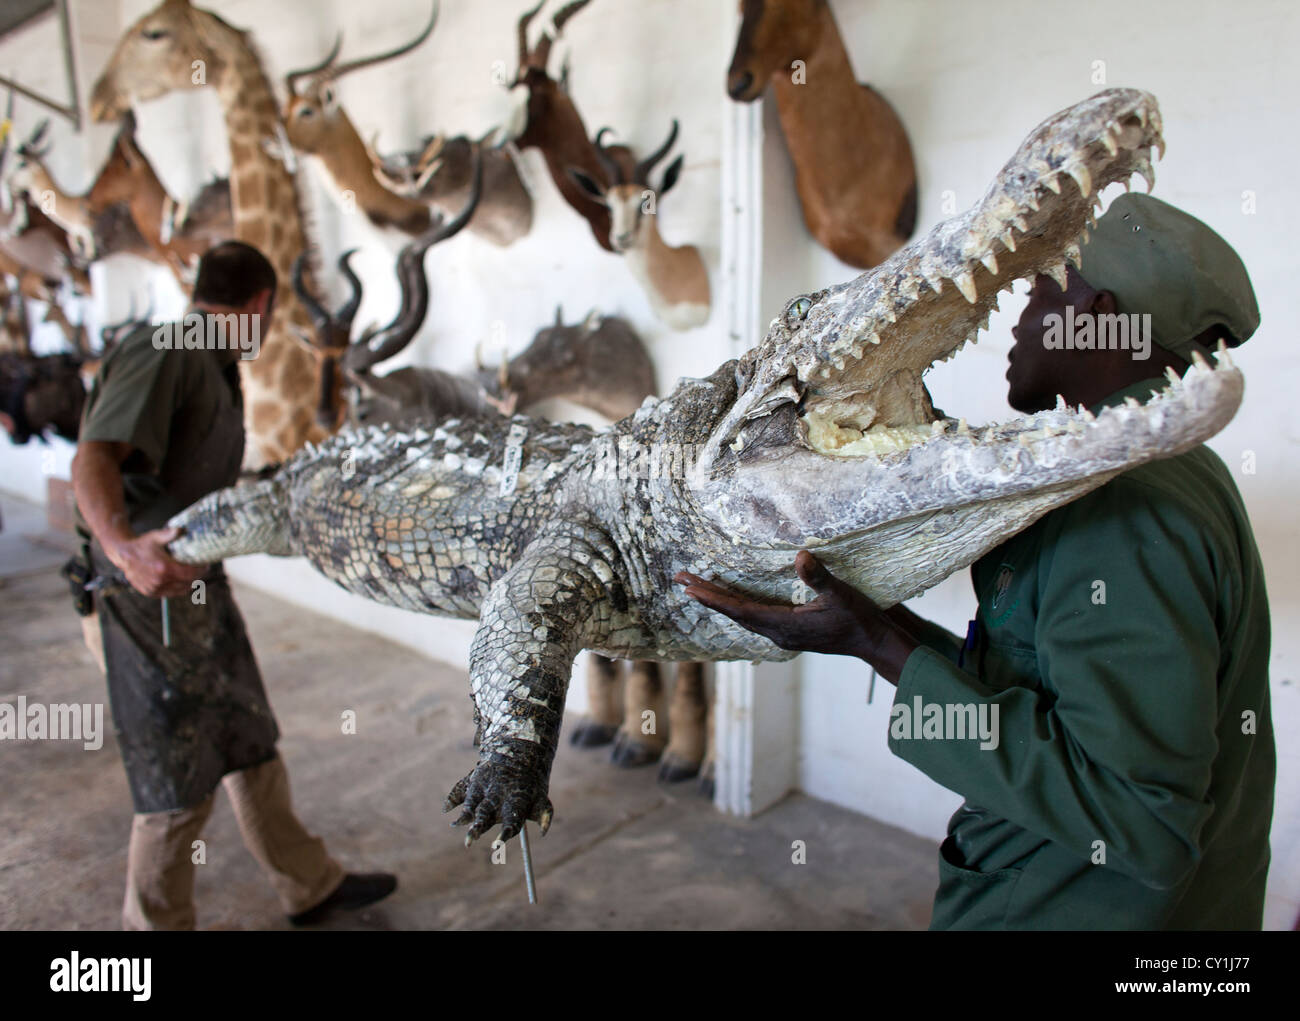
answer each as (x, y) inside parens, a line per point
(832, 432)
(851, 358)
(862, 378)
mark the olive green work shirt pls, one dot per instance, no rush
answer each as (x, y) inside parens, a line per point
(1124, 641)
(181, 413)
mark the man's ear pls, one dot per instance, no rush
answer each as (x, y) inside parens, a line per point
(264, 302)
(1103, 303)
(10, 426)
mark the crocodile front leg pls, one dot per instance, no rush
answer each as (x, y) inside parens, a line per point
(558, 598)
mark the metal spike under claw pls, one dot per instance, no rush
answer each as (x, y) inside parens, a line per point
(529, 881)
(166, 626)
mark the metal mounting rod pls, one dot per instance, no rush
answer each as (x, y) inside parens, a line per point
(71, 112)
(529, 880)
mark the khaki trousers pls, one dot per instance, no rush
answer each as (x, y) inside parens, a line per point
(160, 861)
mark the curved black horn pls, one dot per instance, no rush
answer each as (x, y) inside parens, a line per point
(348, 310)
(607, 161)
(379, 58)
(29, 147)
(442, 231)
(319, 317)
(390, 339)
(644, 167)
(567, 12)
(525, 20)
(292, 78)
(543, 54)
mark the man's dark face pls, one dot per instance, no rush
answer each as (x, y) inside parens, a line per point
(1037, 374)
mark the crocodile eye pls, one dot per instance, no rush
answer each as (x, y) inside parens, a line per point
(797, 311)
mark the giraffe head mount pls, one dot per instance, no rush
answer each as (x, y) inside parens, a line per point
(174, 46)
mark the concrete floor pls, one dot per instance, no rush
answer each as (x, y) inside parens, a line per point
(624, 853)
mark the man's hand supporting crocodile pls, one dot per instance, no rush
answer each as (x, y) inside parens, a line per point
(820, 436)
(1121, 641)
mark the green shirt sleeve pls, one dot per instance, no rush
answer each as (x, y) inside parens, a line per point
(134, 399)
(939, 638)
(1123, 751)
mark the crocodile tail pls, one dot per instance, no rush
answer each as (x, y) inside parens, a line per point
(243, 519)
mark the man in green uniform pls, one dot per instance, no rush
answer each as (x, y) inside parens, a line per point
(163, 427)
(1122, 640)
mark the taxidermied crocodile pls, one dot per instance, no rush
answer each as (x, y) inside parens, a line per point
(559, 538)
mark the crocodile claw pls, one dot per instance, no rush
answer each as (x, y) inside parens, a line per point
(501, 789)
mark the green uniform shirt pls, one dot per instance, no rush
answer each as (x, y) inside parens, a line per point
(1124, 641)
(181, 413)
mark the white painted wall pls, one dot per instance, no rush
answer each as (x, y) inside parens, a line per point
(970, 80)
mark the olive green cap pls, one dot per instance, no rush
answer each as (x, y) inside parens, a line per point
(1155, 258)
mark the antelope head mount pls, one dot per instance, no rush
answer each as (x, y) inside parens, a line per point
(31, 179)
(313, 114)
(318, 126)
(550, 122)
(347, 361)
(674, 279)
(853, 162)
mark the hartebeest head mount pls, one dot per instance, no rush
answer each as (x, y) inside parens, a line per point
(773, 35)
(346, 360)
(630, 196)
(312, 104)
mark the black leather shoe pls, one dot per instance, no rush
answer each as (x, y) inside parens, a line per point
(356, 891)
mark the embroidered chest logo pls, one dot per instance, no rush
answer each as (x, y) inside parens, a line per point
(1001, 586)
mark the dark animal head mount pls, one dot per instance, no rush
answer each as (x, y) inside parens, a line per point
(345, 359)
(599, 363)
(39, 395)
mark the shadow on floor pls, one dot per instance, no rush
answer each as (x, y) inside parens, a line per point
(624, 853)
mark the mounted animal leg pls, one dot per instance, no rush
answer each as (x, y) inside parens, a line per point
(710, 749)
(641, 738)
(688, 713)
(604, 703)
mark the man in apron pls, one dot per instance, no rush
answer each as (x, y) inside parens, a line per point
(163, 426)
(1122, 640)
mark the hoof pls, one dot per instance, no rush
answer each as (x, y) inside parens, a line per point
(675, 769)
(706, 781)
(630, 754)
(590, 734)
